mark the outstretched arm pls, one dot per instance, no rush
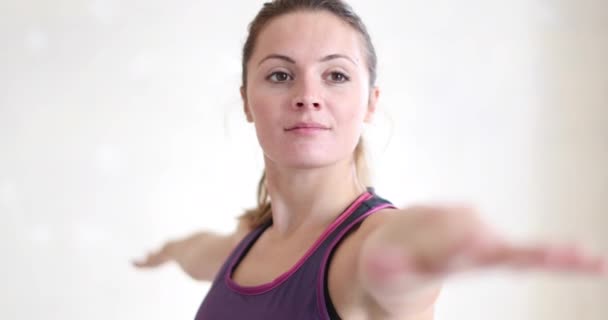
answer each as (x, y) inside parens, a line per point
(404, 260)
(200, 255)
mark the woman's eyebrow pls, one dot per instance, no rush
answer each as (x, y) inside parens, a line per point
(338, 56)
(277, 56)
(292, 61)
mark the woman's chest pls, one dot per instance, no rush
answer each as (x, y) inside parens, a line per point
(268, 259)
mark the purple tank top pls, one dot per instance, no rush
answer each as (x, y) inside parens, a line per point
(299, 293)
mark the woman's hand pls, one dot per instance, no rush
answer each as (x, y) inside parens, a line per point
(157, 257)
(199, 255)
(418, 247)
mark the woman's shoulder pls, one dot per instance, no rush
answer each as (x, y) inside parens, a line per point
(377, 219)
(344, 287)
(244, 226)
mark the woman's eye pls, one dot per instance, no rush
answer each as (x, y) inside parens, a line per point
(279, 76)
(338, 77)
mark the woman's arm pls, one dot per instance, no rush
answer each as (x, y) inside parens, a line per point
(200, 255)
(405, 258)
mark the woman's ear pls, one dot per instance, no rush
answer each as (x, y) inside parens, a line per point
(374, 95)
(246, 105)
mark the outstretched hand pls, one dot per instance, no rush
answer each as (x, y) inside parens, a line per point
(156, 258)
(423, 244)
(200, 255)
(187, 252)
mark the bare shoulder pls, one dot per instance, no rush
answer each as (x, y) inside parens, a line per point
(346, 293)
(368, 225)
(379, 218)
(372, 222)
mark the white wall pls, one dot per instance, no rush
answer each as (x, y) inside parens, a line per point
(121, 126)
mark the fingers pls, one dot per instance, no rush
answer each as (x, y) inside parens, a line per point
(571, 258)
(152, 260)
(487, 250)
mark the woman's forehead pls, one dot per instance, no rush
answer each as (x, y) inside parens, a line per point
(309, 34)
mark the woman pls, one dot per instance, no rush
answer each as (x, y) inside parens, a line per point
(321, 244)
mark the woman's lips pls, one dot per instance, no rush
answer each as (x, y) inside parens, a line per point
(306, 125)
(307, 128)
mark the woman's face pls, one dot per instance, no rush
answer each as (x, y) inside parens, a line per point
(308, 90)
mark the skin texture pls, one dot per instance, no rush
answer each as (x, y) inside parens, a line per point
(312, 86)
(310, 67)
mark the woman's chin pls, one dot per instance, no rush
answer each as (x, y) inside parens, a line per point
(305, 162)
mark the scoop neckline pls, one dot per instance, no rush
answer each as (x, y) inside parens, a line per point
(268, 286)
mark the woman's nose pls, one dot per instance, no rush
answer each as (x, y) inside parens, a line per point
(300, 102)
(307, 94)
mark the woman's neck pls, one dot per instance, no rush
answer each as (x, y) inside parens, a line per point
(306, 200)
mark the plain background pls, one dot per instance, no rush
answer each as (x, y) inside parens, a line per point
(121, 127)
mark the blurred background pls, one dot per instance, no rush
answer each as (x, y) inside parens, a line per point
(121, 127)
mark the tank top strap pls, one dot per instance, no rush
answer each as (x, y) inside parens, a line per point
(371, 205)
(349, 221)
(238, 253)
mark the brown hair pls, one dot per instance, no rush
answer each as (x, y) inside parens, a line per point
(262, 213)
